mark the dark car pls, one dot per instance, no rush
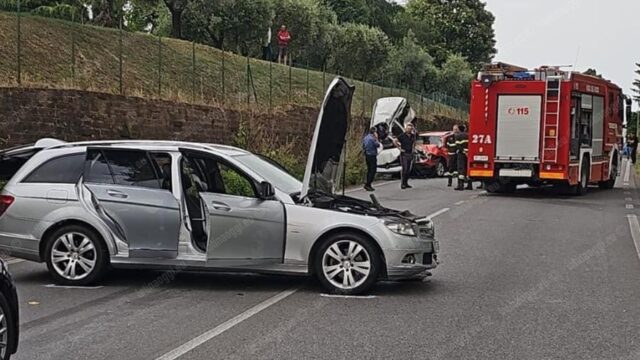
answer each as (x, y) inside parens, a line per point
(9, 317)
(432, 159)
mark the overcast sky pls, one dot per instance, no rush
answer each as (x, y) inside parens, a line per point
(584, 33)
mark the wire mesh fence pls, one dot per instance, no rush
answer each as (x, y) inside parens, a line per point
(46, 52)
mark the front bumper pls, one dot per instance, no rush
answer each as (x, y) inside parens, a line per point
(411, 261)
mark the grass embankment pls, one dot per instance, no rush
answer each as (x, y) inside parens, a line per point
(63, 54)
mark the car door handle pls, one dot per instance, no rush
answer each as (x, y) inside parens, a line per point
(220, 206)
(117, 194)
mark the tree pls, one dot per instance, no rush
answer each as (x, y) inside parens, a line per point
(636, 84)
(411, 65)
(360, 51)
(240, 25)
(350, 11)
(309, 22)
(454, 78)
(176, 7)
(446, 27)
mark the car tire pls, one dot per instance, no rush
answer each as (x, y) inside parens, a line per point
(8, 324)
(335, 264)
(81, 256)
(441, 168)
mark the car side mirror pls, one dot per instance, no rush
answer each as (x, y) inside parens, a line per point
(267, 192)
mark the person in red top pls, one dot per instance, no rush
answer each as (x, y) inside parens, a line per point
(284, 37)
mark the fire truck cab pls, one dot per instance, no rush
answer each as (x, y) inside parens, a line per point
(544, 126)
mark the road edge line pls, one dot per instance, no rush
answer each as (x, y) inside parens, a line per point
(634, 226)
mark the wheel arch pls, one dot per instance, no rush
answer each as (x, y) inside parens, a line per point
(55, 227)
(339, 230)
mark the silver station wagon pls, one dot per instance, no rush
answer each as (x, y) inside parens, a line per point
(85, 207)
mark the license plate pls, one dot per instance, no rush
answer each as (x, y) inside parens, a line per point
(436, 246)
(526, 173)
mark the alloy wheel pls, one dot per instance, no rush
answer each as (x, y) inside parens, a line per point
(73, 256)
(4, 334)
(440, 169)
(346, 264)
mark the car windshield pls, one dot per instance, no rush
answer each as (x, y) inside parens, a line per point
(432, 140)
(276, 176)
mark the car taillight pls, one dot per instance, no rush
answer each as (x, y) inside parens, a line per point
(5, 202)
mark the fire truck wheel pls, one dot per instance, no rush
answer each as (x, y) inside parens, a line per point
(496, 187)
(583, 184)
(609, 184)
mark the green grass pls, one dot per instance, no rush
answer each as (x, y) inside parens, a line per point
(62, 54)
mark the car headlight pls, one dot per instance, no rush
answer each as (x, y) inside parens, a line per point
(400, 227)
(428, 230)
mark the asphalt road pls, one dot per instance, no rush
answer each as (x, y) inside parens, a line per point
(528, 276)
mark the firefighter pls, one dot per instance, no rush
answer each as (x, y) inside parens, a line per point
(462, 149)
(452, 160)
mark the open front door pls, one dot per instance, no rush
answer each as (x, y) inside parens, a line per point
(241, 228)
(126, 186)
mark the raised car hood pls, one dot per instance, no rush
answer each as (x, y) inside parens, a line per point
(326, 156)
(393, 111)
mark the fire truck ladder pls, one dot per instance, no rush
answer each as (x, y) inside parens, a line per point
(551, 118)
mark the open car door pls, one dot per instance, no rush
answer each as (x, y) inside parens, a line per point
(241, 228)
(125, 189)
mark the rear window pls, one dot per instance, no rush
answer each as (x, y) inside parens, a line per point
(61, 170)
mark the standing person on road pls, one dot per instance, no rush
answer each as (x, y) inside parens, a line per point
(406, 143)
(370, 146)
(462, 149)
(452, 160)
(284, 38)
(632, 143)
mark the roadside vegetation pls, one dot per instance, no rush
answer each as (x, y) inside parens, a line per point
(430, 47)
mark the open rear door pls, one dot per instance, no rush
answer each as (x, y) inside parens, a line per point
(125, 191)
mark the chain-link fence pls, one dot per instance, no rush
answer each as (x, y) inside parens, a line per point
(36, 51)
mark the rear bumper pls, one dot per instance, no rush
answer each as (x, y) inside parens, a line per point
(19, 247)
(389, 170)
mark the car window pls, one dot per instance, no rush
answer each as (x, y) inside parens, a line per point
(61, 170)
(236, 183)
(122, 167)
(132, 168)
(97, 169)
(207, 174)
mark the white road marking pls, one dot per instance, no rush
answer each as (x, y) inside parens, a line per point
(348, 296)
(15, 261)
(437, 213)
(73, 287)
(627, 173)
(635, 231)
(195, 342)
(459, 203)
(375, 185)
(630, 206)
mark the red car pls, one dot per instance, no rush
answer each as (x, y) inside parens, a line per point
(432, 158)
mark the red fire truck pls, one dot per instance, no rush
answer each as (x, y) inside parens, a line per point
(544, 126)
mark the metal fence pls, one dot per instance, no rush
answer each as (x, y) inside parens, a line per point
(121, 62)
